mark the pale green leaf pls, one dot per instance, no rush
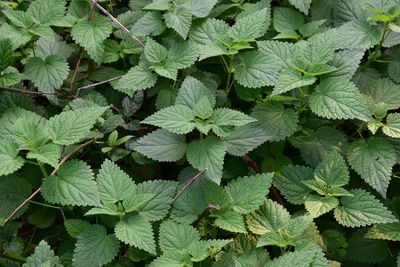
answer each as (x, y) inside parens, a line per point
(94, 247)
(49, 154)
(137, 78)
(347, 62)
(250, 28)
(47, 74)
(19, 18)
(6, 54)
(317, 205)
(154, 52)
(47, 12)
(373, 160)
(230, 117)
(285, 19)
(231, 221)
(337, 98)
(176, 237)
(71, 126)
(302, 5)
(203, 108)
(45, 48)
(386, 231)
(180, 19)
(392, 126)
(107, 209)
(216, 195)
(43, 256)
(136, 231)
(357, 34)
(290, 79)
(362, 209)
(270, 217)
(200, 8)
(208, 153)
(333, 170)
(160, 145)
(150, 23)
(176, 119)
(247, 193)
(114, 184)
(300, 258)
(158, 5)
(72, 185)
(9, 159)
(383, 90)
(191, 91)
(75, 227)
(320, 48)
(189, 205)
(184, 54)
(17, 36)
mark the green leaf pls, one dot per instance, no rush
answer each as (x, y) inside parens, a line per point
(270, 217)
(9, 159)
(154, 52)
(71, 126)
(137, 78)
(336, 98)
(200, 8)
(373, 160)
(184, 54)
(46, 12)
(281, 53)
(387, 231)
(49, 154)
(302, 5)
(158, 5)
(208, 153)
(287, 19)
(347, 62)
(189, 205)
(216, 195)
(73, 185)
(91, 34)
(230, 117)
(176, 237)
(320, 48)
(136, 231)
(250, 28)
(6, 54)
(362, 209)
(290, 79)
(19, 18)
(247, 193)
(231, 221)
(254, 69)
(317, 205)
(383, 90)
(180, 20)
(291, 185)
(13, 191)
(107, 209)
(305, 257)
(158, 207)
(149, 24)
(47, 74)
(160, 145)
(203, 108)
(176, 119)
(16, 35)
(357, 34)
(277, 121)
(191, 91)
(333, 171)
(392, 126)
(114, 184)
(29, 134)
(94, 247)
(43, 256)
(75, 227)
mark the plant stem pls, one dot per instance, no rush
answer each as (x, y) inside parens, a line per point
(374, 55)
(204, 212)
(22, 91)
(191, 181)
(95, 84)
(44, 205)
(42, 169)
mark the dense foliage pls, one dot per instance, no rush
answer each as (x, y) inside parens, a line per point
(200, 133)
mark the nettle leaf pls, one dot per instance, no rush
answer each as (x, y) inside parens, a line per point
(94, 247)
(114, 184)
(158, 207)
(137, 78)
(49, 154)
(373, 160)
(136, 231)
(247, 193)
(318, 205)
(189, 205)
(308, 255)
(150, 23)
(42, 256)
(154, 52)
(287, 19)
(333, 171)
(203, 109)
(47, 74)
(291, 185)
(392, 126)
(184, 54)
(47, 12)
(9, 159)
(254, 69)
(346, 61)
(231, 221)
(302, 5)
(383, 90)
(176, 119)
(6, 54)
(200, 8)
(251, 27)
(357, 34)
(160, 145)
(337, 98)
(180, 19)
(277, 121)
(290, 79)
(230, 117)
(191, 91)
(208, 153)
(320, 48)
(216, 195)
(71, 126)
(75, 227)
(387, 231)
(362, 209)
(73, 185)
(175, 237)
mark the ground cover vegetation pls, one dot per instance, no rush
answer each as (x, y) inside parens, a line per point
(200, 133)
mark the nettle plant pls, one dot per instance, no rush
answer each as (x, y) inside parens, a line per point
(200, 133)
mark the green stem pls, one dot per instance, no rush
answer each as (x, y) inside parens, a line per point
(43, 170)
(12, 257)
(374, 55)
(44, 205)
(228, 86)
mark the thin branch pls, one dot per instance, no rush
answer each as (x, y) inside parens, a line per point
(23, 91)
(118, 24)
(254, 166)
(197, 176)
(77, 64)
(209, 207)
(90, 16)
(95, 84)
(63, 160)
